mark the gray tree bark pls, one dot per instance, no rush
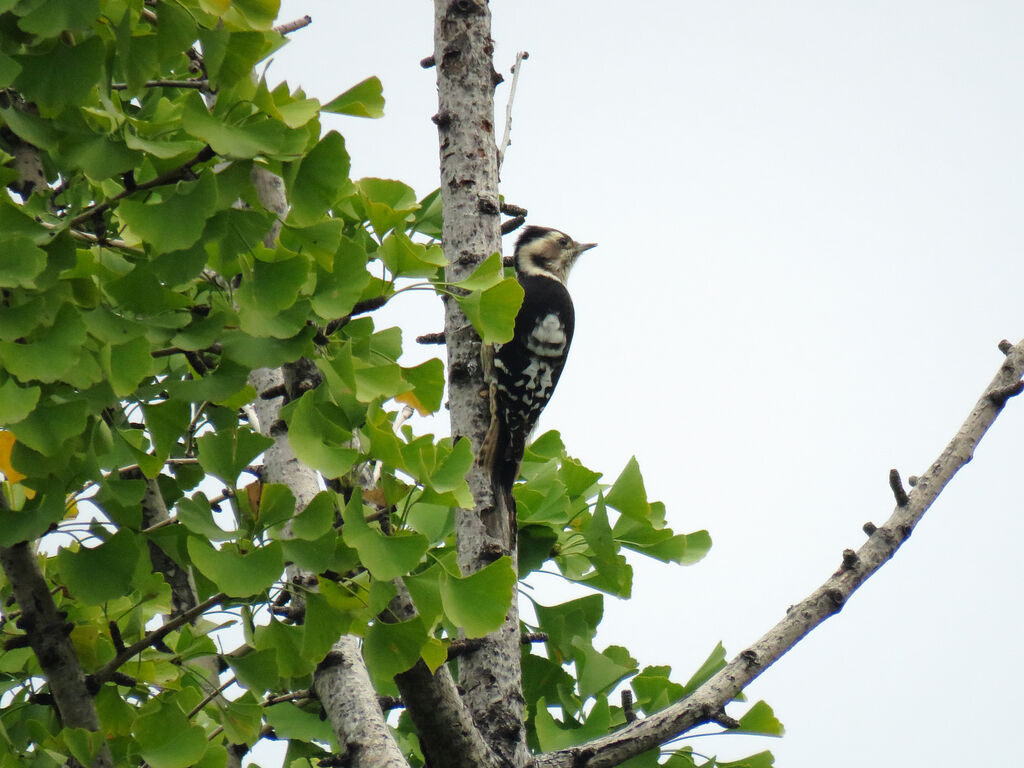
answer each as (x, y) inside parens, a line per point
(469, 194)
(350, 701)
(47, 634)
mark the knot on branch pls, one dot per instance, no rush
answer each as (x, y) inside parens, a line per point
(465, 8)
(750, 658)
(487, 206)
(332, 659)
(998, 397)
(850, 559)
(836, 598)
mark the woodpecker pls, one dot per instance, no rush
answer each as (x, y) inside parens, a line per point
(528, 367)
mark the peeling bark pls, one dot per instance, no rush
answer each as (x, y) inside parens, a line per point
(707, 703)
(469, 193)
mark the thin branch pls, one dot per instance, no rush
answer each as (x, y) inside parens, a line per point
(199, 84)
(896, 484)
(512, 224)
(360, 308)
(305, 693)
(509, 209)
(627, 705)
(506, 139)
(292, 26)
(106, 672)
(215, 349)
(168, 177)
(431, 338)
(706, 704)
(210, 697)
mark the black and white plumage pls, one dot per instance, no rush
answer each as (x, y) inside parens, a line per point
(528, 367)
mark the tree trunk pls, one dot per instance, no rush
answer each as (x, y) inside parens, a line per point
(469, 195)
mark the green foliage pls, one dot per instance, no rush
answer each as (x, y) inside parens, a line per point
(143, 279)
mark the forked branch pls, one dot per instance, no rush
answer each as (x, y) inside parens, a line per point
(707, 702)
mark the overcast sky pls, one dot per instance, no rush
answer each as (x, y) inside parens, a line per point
(810, 218)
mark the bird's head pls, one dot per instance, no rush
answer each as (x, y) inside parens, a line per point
(544, 251)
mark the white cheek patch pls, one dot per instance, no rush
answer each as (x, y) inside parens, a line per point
(547, 337)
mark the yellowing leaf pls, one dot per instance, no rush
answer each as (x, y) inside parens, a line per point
(7, 441)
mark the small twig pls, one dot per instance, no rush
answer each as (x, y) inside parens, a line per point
(723, 719)
(897, 488)
(93, 239)
(431, 338)
(1005, 347)
(506, 139)
(115, 636)
(200, 84)
(305, 693)
(215, 349)
(850, 559)
(627, 705)
(210, 697)
(510, 209)
(512, 224)
(360, 308)
(428, 62)
(292, 26)
(869, 528)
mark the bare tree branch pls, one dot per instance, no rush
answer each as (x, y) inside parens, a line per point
(706, 704)
(506, 138)
(200, 84)
(293, 26)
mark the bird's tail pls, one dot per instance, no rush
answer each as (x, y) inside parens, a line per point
(499, 457)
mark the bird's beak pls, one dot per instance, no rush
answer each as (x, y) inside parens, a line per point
(581, 247)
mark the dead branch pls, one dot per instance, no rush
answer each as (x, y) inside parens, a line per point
(706, 704)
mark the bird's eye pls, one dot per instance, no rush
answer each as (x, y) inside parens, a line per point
(564, 242)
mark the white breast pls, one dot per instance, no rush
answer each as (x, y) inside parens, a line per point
(547, 337)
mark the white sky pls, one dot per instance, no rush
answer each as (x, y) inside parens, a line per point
(810, 226)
